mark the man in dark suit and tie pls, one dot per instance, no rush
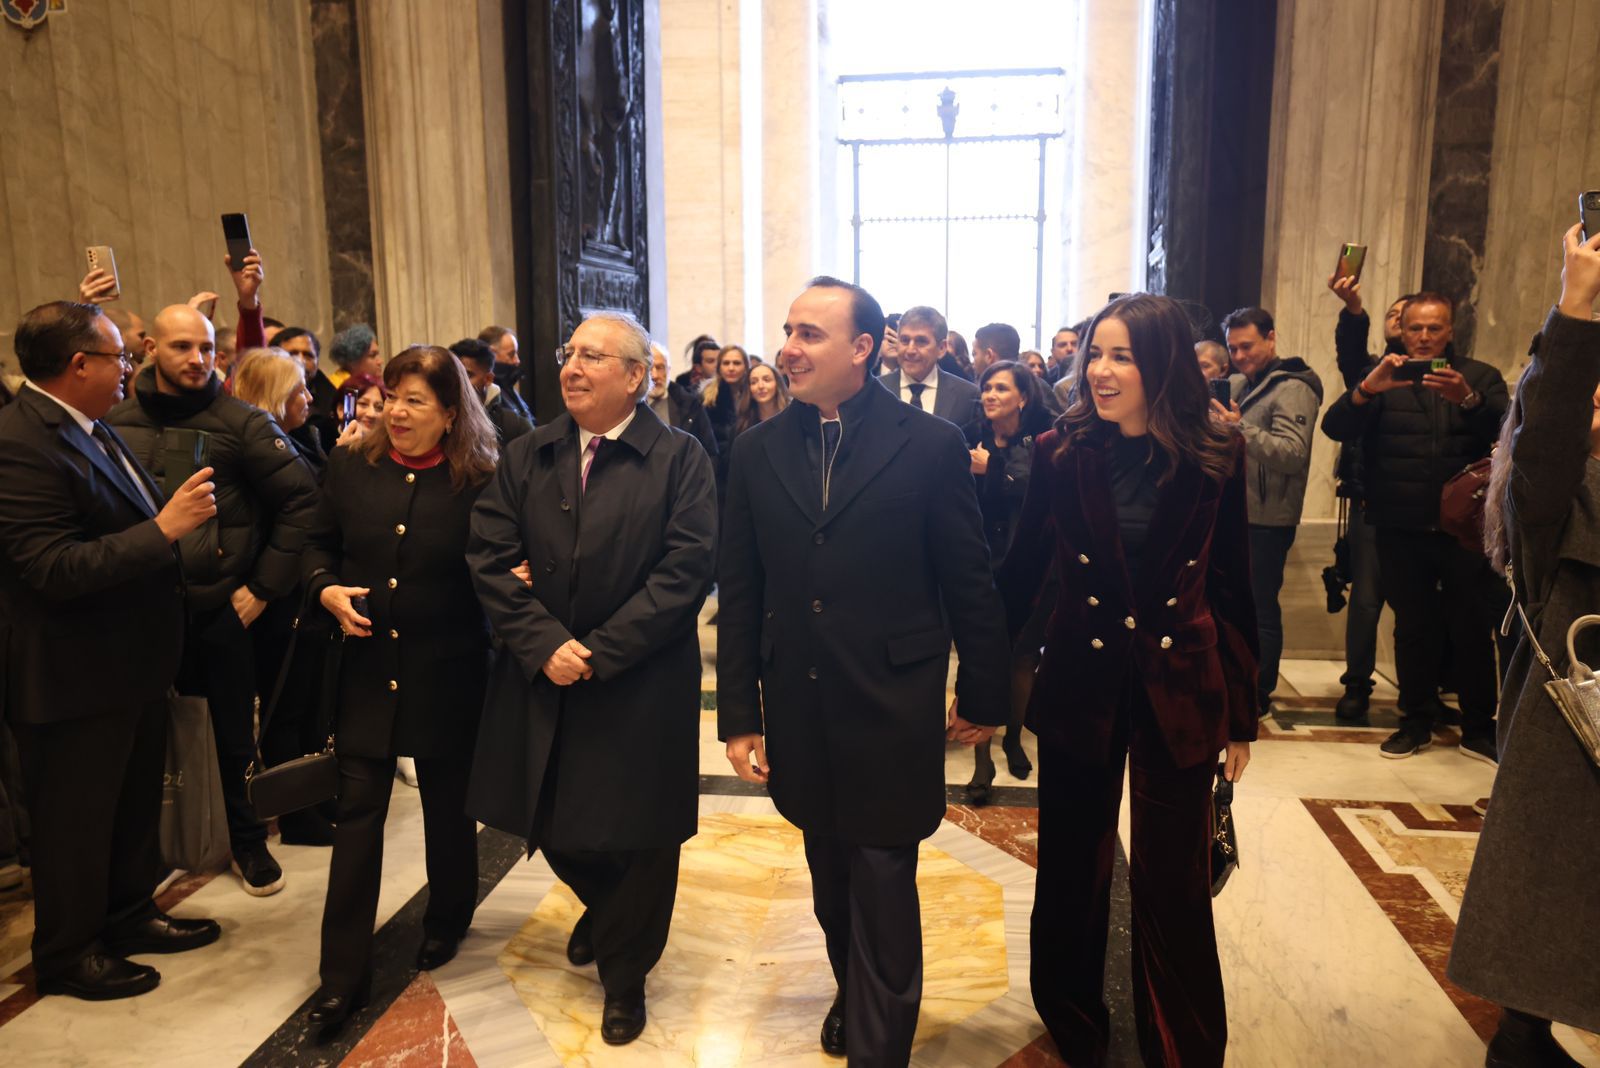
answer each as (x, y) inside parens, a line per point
(92, 594)
(853, 551)
(920, 382)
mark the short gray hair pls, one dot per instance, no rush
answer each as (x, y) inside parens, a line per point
(637, 345)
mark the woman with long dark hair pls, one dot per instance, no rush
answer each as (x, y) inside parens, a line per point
(1526, 936)
(1014, 416)
(387, 560)
(766, 394)
(1149, 660)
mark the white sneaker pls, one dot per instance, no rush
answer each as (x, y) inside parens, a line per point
(406, 768)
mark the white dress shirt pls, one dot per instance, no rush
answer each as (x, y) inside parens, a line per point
(584, 437)
(86, 425)
(932, 382)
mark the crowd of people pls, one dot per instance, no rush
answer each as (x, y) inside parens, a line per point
(508, 614)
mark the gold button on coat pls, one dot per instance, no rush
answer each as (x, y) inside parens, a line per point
(1191, 563)
(1096, 643)
(411, 476)
(393, 685)
(399, 528)
(1172, 602)
(1082, 559)
(1166, 643)
(393, 583)
(1094, 602)
(1129, 623)
(394, 634)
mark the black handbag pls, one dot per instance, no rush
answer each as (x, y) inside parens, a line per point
(307, 780)
(1224, 844)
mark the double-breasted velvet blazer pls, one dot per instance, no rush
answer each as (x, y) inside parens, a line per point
(624, 567)
(415, 687)
(1185, 631)
(834, 624)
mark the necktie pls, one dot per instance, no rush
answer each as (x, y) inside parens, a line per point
(832, 430)
(916, 394)
(121, 463)
(589, 454)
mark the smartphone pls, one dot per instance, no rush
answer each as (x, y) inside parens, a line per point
(1588, 213)
(1221, 391)
(236, 230)
(349, 411)
(359, 603)
(1413, 370)
(1351, 259)
(101, 259)
(185, 452)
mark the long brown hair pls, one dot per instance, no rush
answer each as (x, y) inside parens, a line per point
(1175, 391)
(749, 410)
(469, 445)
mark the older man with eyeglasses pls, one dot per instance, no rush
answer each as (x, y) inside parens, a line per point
(592, 551)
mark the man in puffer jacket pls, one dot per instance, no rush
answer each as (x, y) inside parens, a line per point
(1274, 407)
(1415, 437)
(237, 562)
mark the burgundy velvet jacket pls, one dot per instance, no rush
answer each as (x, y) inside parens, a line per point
(1187, 630)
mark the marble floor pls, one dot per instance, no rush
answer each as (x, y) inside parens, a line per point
(1333, 936)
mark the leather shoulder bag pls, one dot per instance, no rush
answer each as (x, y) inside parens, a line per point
(306, 780)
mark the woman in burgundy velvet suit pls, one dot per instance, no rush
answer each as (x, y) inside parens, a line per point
(1149, 655)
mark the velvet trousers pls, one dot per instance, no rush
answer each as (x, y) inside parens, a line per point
(1177, 981)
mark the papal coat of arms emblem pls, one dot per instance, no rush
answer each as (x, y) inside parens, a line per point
(29, 13)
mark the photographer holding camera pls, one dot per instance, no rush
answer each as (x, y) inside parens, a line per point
(1420, 418)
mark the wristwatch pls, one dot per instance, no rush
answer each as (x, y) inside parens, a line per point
(1471, 401)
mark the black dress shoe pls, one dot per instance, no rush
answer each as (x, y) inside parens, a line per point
(330, 1012)
(162, 934)
(833, 1029)
(1352, 707)
(436, 953)
(580, 947)
(102, 977)
(1017, 762)
(623, 1019)
(1525, 1041)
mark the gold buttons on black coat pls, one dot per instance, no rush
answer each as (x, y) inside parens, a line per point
(393, 583)
(393, 686)
(1094, 602)
(1172, 602)
(1096, 643)
(399, 528)
(1166, 643)
(411, 476)
(1082, 559)
(1129, 623)
(394, 634)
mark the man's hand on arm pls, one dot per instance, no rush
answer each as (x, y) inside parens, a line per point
(569, 663)
(193, 504)
(740, 749)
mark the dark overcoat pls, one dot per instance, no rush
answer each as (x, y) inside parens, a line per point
(1186, 629)
(1529, 932)
(624, 567)
(834, 624)
(415, 687)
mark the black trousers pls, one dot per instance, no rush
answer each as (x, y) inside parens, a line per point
(450, 839)
(94, 791)
(1178, 1000)
(865, 898)
(1269, 552)
(629, 896)
(219, 665)
(1435, 588)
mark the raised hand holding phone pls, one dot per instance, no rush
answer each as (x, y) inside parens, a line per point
(1580, 272)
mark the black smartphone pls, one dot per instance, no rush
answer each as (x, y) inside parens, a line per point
(1413, 370)
(349, 410)
(1589, 213)
(236, 231)
(1221, 391)
(359, 603)
(185, 451)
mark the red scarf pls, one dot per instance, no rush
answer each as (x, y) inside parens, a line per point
(432, 458)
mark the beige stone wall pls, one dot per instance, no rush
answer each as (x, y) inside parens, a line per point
(136, 126)
(434, 85)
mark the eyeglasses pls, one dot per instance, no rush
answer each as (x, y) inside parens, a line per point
(591, 360)
(125, 359)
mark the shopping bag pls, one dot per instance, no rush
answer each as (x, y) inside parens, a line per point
(194, 823)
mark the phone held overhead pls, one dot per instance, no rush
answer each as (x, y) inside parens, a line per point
(236, 231)
(1351, 259)
(101, 259)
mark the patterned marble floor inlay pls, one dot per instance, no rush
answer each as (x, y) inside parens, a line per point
(743, 933)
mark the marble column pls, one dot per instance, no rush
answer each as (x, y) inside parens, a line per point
(342, 131)
(1463, 136)
(1105, 194)
(434, 84)
(703, 177)
(789, 161)
(1352, 135)
(1546, 150)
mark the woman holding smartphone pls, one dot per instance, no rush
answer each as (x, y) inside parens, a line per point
(1150, 660)
(387, 559)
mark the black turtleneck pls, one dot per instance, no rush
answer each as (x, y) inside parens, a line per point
(1133, 487)
(167, 408)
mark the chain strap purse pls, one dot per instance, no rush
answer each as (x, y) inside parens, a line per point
(1578, 694)
(1224, 842)
(306, 780)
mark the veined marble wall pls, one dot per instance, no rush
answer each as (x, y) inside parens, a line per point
(438, 164)
(137, 126)
(1546, 151)
(1352, 136)
(702, 172)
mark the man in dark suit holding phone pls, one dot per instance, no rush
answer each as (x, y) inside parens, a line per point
(92, 596)
(853, 550)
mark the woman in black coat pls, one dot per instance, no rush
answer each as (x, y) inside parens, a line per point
(387, 560)
(1015, 412)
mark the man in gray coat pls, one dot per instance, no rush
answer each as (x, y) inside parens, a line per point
(589, 742)
(1274, 407)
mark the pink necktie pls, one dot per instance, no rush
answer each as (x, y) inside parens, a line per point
(589, 454)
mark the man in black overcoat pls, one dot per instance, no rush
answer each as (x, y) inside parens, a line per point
(92, 596)
(852, 552)
(589, 743)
